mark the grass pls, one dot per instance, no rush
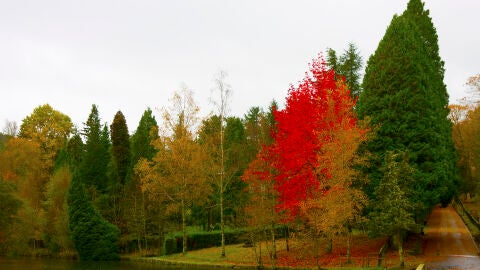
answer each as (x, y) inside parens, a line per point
(364, 254)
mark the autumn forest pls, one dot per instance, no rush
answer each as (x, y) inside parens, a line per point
(358, 149)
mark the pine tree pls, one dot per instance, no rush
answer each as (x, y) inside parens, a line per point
(96, 157)
(93, 237)
(392, 211)
(405, 99)
(147, 131)
(120, 147)
(347, 66)
(138, 209)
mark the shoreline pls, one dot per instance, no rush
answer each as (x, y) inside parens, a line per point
(208, 264)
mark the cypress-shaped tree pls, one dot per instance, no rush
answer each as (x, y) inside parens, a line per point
(93, 236)
(121, 154)
(405, 99)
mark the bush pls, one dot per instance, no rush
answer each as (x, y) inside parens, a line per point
(200, 240)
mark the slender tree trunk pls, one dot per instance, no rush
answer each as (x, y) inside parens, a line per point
(222, 218)
(184, 230)
(274, 247)
(287, 235)
(317, 252)
(260, 255)
(400, 250)
(222, 222)
(349, 237)
(144, 222)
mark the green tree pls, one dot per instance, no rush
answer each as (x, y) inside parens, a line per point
(57, 234)
(258, 127)
(405, 99)
(349, 66)
(75, 150)
(147, 131)
(141, 217)
(96, 155)
(392, 211)
(120, 147)
(93, 237)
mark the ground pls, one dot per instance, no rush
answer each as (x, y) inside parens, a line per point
(447, 244)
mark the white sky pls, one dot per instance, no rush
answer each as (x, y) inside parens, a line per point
(132, 54)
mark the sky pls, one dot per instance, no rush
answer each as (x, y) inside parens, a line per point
(130, 55)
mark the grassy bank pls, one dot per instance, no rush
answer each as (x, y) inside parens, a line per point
(364, 256)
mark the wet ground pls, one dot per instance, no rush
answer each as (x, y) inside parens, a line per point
(448, 243)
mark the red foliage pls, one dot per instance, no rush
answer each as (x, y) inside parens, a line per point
(316, 107)
(318, 103)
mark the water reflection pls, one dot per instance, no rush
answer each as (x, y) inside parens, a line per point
(56, 264)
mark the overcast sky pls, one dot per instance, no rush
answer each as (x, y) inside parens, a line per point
(130, 55)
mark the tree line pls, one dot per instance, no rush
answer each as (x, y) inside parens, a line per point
(342, 155)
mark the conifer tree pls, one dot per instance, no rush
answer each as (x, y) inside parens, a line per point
(406, 101)
(93, 236)
(96, 157)
(348, 66)
(138, 209)
(120, 147)
(147, 131)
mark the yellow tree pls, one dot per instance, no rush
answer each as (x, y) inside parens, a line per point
(175, 176)
(466, 125)
(50, 129)
(56, 212)
(261, 209)
(20, 165)
(465, 130)
(338, 201)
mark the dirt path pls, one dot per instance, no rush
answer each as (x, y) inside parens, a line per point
(448, 243)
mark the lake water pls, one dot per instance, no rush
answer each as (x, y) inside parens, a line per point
(58, 264)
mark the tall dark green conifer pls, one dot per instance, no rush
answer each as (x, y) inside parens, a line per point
(93, 237)
(96, 157)
(406, 101)
(121, 154)
(147, 132)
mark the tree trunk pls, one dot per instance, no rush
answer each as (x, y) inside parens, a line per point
(222, 175)
(222, 222)
(274, 247)
(399, 242)
(287, 235)
(349, 236)
(184, 230)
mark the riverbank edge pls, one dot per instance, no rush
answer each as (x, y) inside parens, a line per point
(209, 265)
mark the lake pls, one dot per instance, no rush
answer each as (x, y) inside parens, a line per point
(59, 264)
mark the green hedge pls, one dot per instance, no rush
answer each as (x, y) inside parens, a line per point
(200, 240)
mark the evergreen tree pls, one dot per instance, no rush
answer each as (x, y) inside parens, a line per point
(405, 99)
(96, 157)
(235, 163)
(93, 237)
(75, 149)
(348, 66)
(392, 211)
(139, 211)
(351, 65)
(120, 147)
(147, 132)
